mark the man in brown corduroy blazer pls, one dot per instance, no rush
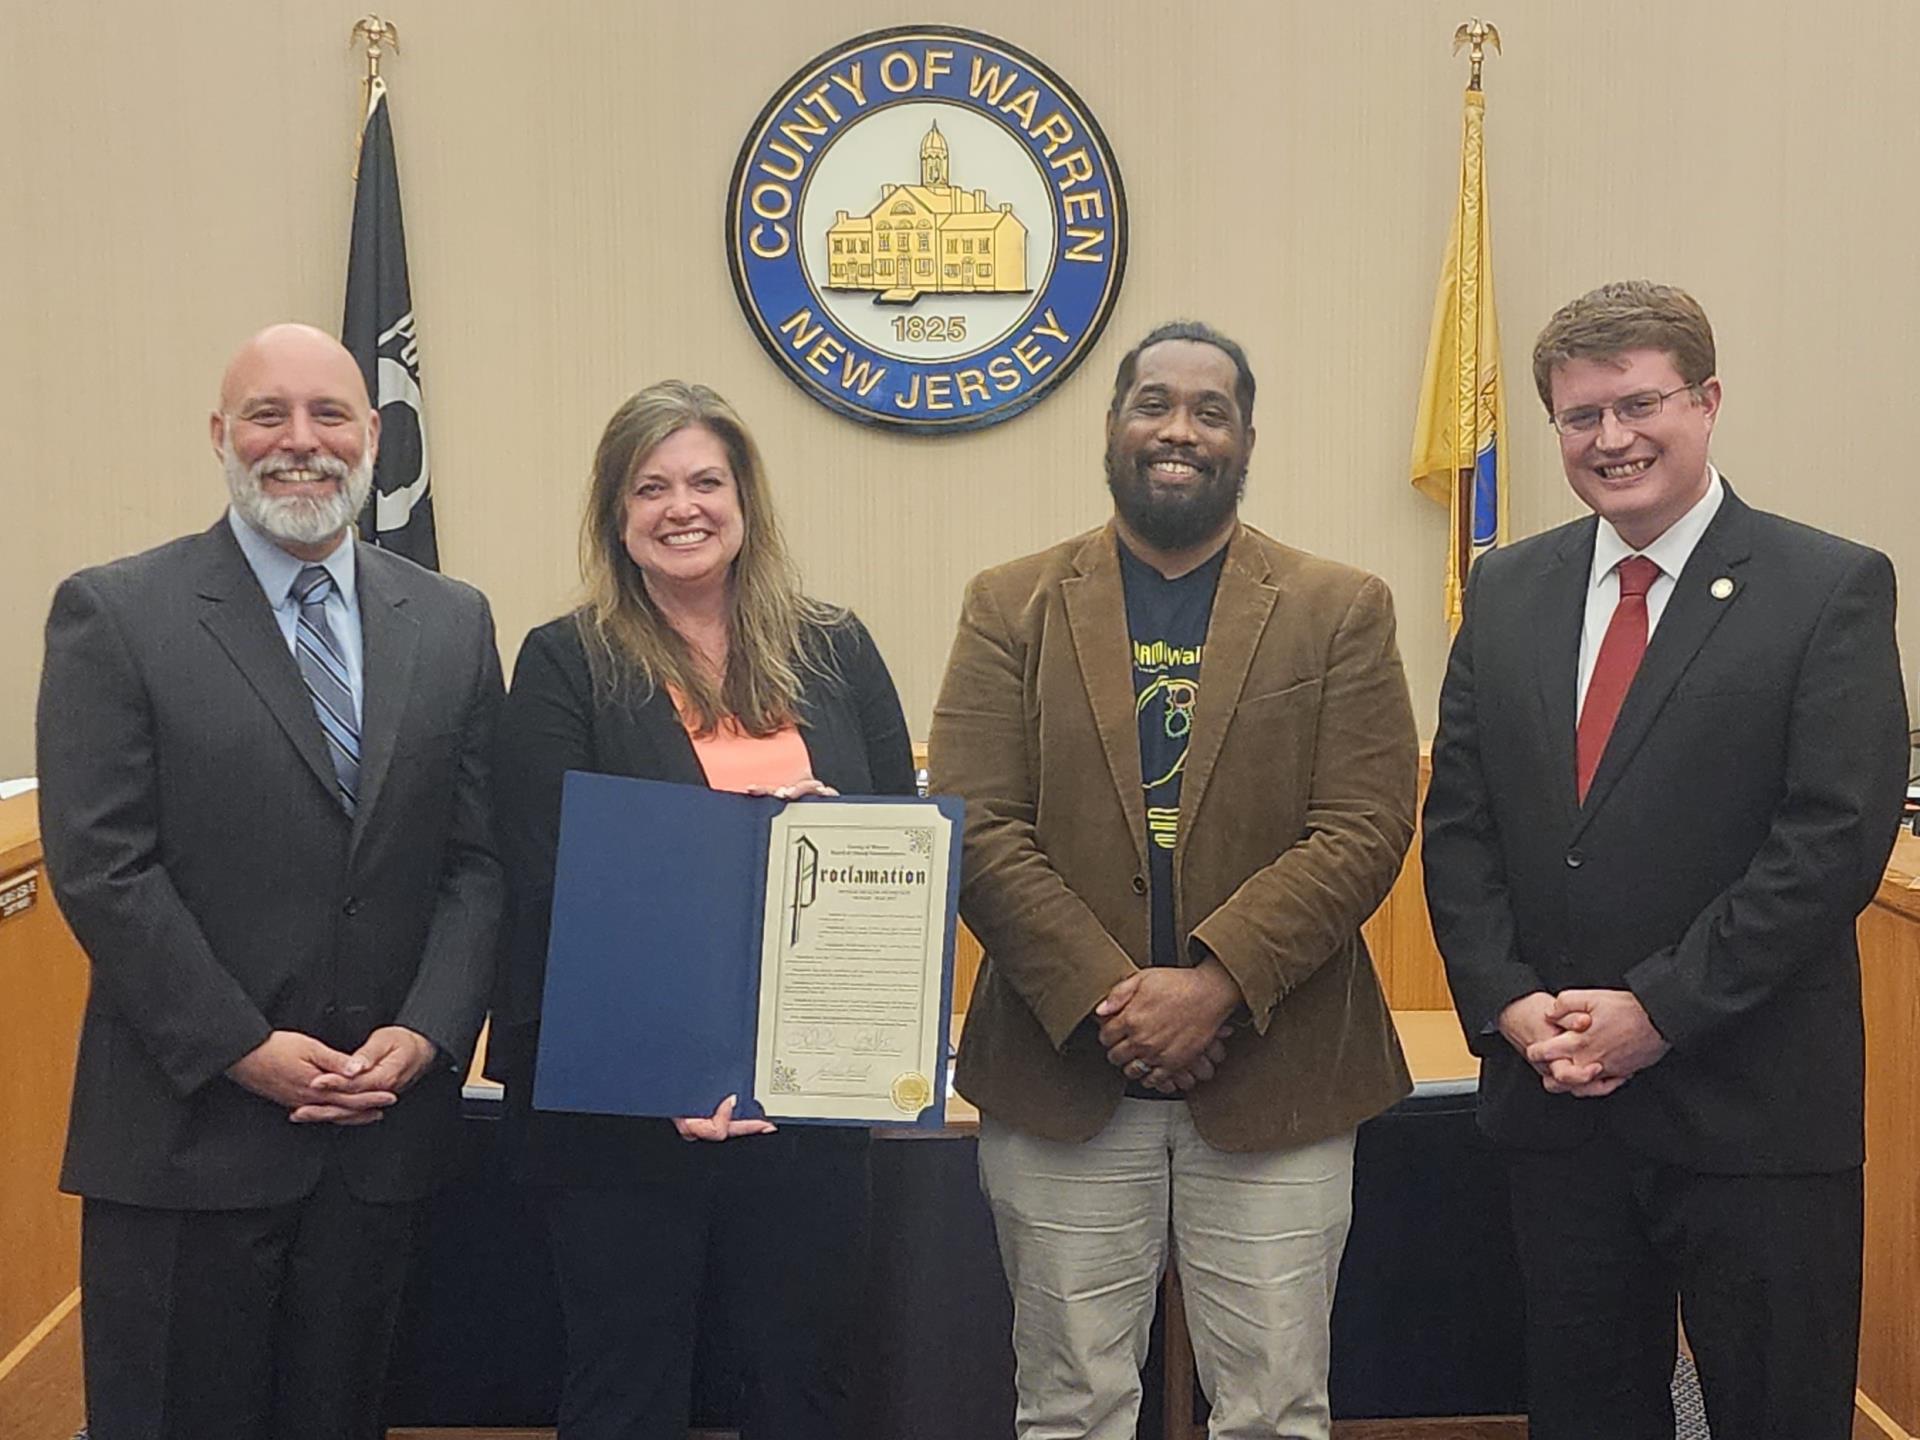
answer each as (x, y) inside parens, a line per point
(1189, 764)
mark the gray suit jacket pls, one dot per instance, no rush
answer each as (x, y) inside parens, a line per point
(197, 849)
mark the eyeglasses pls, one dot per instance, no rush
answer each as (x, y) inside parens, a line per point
(1628, 410)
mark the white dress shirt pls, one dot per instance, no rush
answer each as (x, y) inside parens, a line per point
(1669, 552)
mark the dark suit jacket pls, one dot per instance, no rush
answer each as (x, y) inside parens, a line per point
(197, 848)
(1295, 812)
(1739, 821)
(555, 721)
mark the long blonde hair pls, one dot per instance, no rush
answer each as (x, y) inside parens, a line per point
(774, 631)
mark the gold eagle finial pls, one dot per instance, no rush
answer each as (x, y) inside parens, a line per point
(1476, 34)
(378, 32)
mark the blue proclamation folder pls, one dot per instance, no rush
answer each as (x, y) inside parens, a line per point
(653, 965)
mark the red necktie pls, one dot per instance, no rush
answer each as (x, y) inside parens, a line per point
(1620, 652)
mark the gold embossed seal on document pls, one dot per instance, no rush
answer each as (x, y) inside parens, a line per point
(911, 1092)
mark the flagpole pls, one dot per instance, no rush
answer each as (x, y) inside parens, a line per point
(1475, 35)
(1466, 436)
(1459, 449)
(377, 33)
(378, 325)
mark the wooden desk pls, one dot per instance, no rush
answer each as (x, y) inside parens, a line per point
(1435, 1049)
(1888, 1401)
(43, 989)
(1434, 1046)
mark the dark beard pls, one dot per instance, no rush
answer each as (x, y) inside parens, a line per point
(1169, 519)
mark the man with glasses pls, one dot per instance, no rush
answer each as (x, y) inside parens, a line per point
(1665, 782)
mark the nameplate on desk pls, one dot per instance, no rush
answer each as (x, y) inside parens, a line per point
(18, 894)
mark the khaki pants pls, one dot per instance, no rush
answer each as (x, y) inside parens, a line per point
(1084, 1234)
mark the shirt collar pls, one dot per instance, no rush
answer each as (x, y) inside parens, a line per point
(276, 570)
(1202, 575)
(1675, 544)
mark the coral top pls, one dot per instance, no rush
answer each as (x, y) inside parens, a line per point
(735, 760)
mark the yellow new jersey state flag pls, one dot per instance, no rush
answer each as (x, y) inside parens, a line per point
(1459, 436)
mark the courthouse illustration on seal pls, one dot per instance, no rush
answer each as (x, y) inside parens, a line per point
(931, 236)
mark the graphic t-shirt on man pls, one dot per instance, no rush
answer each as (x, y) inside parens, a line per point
(1166, 631)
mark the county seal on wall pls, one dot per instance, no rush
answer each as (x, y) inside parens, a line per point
(926, 229)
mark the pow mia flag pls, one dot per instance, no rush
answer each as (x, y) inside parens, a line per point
(378, 329)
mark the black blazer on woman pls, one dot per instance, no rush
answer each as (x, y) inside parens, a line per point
(555, 720)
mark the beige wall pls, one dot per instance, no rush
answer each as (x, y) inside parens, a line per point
(172, 176)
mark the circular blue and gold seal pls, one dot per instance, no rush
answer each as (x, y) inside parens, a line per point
(926, 229)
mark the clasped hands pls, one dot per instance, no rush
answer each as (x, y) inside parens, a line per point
(1164, 1026)
(319, 1085)
(1585, 1043)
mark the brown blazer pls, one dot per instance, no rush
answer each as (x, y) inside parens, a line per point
(1296, 810)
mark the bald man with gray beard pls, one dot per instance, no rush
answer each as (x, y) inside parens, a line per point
(262, 754)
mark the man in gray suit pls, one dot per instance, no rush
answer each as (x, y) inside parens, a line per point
(264, 802)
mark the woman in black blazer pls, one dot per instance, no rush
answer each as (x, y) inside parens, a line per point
(695, 658)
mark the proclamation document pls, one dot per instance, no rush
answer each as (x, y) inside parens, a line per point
(852, 973)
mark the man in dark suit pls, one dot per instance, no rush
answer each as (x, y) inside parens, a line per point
(1669, 765)
(264, 797)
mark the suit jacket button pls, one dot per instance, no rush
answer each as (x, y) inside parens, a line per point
(351, 906)
(1575, 859)
(1139, 884)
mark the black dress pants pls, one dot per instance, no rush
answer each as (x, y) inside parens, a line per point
(1765, 1268)
(269, 1324)
(778, 1223)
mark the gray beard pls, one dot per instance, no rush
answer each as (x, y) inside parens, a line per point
(297, 519)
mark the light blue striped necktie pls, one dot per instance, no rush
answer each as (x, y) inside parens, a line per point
(325, 672)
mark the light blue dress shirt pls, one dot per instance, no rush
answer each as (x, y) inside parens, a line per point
(276, 571)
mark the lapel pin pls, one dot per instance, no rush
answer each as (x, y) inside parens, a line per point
(1721, 588)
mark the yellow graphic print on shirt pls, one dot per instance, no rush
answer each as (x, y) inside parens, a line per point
(1167, 681)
